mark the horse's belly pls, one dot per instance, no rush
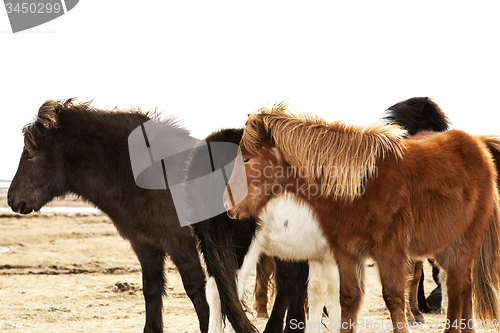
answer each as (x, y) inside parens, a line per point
(290, 230)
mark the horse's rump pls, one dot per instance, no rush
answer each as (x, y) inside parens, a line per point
(450, 178)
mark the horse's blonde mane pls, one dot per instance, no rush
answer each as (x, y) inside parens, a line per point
(339, 155)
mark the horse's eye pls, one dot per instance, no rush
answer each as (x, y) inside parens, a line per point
(28, 156)
(245, 159)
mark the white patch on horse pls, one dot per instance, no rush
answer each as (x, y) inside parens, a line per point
(249, 263)
(290, 230)
(444, 291)
(202, 259)
(213, 300)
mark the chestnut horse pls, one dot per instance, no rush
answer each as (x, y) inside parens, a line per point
(416, 115)
(373, 194)
(78, 148)
(422, 117)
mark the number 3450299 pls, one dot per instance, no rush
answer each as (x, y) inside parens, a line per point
(33, 8)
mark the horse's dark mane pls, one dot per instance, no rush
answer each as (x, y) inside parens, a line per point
(54, 114)
(418, 114)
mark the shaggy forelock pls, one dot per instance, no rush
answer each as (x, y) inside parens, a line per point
(46, 119)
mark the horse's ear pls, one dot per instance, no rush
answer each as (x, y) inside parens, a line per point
(258, 130)
(48, 114)
(255, 125)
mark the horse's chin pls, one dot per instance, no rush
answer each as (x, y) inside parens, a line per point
(30, 209)
(34, 207)
(235, 215)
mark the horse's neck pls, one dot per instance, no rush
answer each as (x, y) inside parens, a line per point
(104, 177)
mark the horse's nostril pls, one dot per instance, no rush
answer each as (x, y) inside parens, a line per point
(226, 206)
(24, 208)
(19, 207)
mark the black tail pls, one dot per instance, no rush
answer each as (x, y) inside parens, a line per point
(222, 241)
(223, 260)
(418, 114)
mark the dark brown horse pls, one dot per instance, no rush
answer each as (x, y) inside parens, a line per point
(374, 194)
(80, 149)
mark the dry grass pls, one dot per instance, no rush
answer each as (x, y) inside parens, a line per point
(73, 273)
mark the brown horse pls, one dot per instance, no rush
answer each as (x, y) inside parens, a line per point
(415, 115)
(78, 148)
(422, 117)
(374, 194)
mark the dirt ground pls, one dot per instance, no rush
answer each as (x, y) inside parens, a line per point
(73, 273)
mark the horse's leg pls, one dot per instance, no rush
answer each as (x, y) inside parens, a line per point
(467, 319)
(414, 315)
(288, 280)
(331, 273)
(193, 278)
(316, 290)
(444, 291)
(265, 268)
(213, 298)
(351, 274)
(296, 309)
(249, 263)
(459, 299)
(275, 322)
(458, 276)
(422, 304)
(394, 271)
(153, 285)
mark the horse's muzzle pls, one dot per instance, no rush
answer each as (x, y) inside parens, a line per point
(231, 216)
(19, 207)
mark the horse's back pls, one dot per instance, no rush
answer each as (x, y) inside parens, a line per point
(451, 183)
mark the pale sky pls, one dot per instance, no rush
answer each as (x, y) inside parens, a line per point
(211, 63)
